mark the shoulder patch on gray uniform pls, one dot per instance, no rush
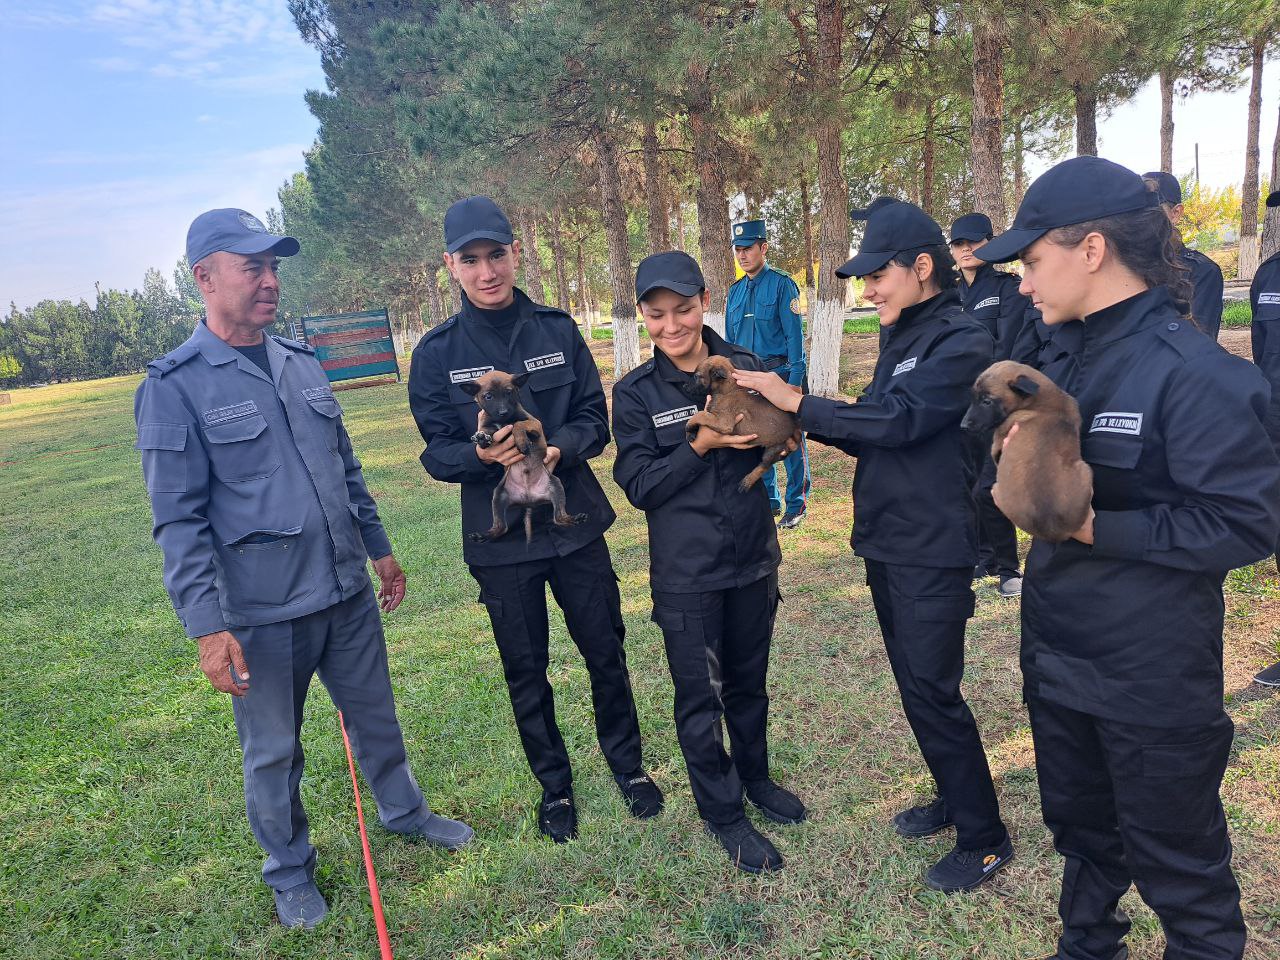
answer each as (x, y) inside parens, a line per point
(172, 360)
(1269, 297)
(989, 302)
(468, 373)
(905, 365)
(544, 361)
(232, 412)
(1114, 422)
(678, 415)
(293, 344)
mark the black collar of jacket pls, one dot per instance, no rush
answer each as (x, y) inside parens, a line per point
(927, 309)
(1128, 316)
(717, 346)
(527, 307)
(983, 272)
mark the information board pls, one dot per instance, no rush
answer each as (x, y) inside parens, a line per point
(350, 345)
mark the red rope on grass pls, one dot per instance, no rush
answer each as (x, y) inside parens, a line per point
(375, 898)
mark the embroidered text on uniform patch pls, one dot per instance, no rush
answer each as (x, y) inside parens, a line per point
(315, 393)
(905, 365)
(989, 302)
(1130, 423)
(678, 415)
(223, 414)
(1268, 297)
(546, 360)
(470, 373)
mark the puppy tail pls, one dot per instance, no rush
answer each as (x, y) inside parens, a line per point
(750, 479)
(528, 525)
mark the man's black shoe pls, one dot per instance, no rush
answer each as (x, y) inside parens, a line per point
(749, 850)
(981, 571)
(922, 821)
(642, 796)
(777, 804)
(558, 817)
(1269, 677)
(965, 869)
(791, 520)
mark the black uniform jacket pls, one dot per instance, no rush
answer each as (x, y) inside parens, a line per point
(1264, 298)
(563, 391)
(912, 490)
(1186, 488)
(1206, 291)
(703, 533)
(993, 298)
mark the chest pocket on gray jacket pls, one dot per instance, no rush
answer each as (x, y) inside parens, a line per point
(242, 450)
(329, 411)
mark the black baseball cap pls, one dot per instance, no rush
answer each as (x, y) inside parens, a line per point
(672, 270)
(1273, 198)
(862, 213)
(893, 228)
(234, 231)
(1168, 189)
(1076, 190)
(972, 226)
(475, 218)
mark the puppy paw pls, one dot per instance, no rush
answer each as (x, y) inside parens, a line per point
(481, 439)
(478, 537)
(579, 518)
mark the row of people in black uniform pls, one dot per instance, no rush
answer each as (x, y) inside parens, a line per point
(1122, 625)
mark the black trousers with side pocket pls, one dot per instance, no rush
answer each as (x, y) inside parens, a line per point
(997, 536)
(922, 613)
(718, 650)
(1129, 804)
(586, 589)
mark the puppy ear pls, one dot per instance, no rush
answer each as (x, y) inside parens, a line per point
(1024, 385)
(470, 386)
(519, 380)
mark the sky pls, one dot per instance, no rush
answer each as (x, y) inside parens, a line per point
(120, 120)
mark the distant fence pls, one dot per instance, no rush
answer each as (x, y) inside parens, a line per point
(350, 345)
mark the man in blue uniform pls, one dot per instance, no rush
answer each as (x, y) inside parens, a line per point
(1205, 276)
(762, 315)
(1264, 298)
(262, 513)
(499, 328)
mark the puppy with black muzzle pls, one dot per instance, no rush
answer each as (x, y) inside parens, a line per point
(527, 483)
(1042, 484)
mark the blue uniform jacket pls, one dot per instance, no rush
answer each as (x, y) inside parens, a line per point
(1206, 291)
(1186, 486)
(259, 503)
(563, 391)
(763, 317)
(1264, 298)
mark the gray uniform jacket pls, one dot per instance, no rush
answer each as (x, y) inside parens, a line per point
(259, 503)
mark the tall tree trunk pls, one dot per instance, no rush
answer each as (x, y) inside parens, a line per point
(584, 295)
(1166, 119)
(455, 296)
(1271, 222)
(434, 301)
(806, 214)
(712, 202)
(557, 258)
(987, 138)
(1249, 190)
(529, 257)
(826, 326)
(1086, 120)
(655, 191)
(626, 339)
(927, 153)
(1019, 165)
(677, 209)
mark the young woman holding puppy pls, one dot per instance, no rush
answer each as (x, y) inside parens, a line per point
(713, 559)
(1122, 624)
(915, 525)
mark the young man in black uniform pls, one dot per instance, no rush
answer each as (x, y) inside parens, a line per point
(914, 525)
(499, 328)
(713, 559)
(1122, 623)
(1264, 298)
(1205, 275)
(992, 297)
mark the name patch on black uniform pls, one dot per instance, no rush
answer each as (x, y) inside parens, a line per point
(223, 414)
(1130, 423)
(315, 393)
(905, 365)
(471, 373)
(1268, 298)
(678, 415)
(544, 361)
(989, 302)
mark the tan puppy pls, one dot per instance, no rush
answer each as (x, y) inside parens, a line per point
(776, 430)
(1045, 488)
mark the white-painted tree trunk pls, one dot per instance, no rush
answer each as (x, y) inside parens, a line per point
(826, 329)
(1249, 258)
(626, 344)
(715, 321)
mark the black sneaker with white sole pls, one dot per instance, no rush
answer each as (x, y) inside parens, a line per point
(641, 794)
(1269, 677)
(922, 821)
(776, 803)
(966, 869)
(791, 520)
(747, 847)
(558, 817)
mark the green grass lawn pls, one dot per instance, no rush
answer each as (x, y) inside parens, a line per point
(1237, 314)
(124, 828)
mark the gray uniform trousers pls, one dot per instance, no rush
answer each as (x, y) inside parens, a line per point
(345, 645)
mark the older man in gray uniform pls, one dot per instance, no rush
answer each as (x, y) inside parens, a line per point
(262, 513)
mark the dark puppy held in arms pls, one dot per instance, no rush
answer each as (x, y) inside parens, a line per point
(1044, 487)
(527, 483)
(732, 409)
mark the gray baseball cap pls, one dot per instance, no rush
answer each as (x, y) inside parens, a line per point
(235, 231)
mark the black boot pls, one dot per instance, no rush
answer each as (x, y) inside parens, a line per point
(558, 817)
(642, 796)
(747, 847)
(777, 804)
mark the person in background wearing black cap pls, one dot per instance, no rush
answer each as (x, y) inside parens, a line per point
(713, 559)
(254, 488)
(500, 328)
(1122, 623)
(915, 524)
(762, 314)
(1206, 276)
(992, 297)
(1264, 298)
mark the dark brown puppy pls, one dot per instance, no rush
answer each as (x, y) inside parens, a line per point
(498, 394)
(1045, 488)
(776, 430)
